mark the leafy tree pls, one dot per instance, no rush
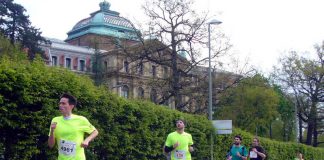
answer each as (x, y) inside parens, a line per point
(15, 25)
(287, 113)
(304, 77)
(252, 105)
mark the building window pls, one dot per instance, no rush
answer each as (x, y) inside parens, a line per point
(54, 61)
(68, 63)
(106, 65)
(140, 92)
(154, 71)
(165, 72)
(126, 69)
(153, 96)
(124, 91)
(140, 67)
(82, 65)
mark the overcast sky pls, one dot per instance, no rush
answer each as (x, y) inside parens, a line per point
(259, 29)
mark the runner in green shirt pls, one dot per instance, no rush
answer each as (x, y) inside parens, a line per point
(179, 143)
(68, 130)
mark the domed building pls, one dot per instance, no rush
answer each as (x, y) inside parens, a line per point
(104, 29)
(94, 46)
(103, 46)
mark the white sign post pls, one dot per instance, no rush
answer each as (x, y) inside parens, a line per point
(223, 126)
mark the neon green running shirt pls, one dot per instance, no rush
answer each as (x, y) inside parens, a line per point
(69, 134)
(182, 151)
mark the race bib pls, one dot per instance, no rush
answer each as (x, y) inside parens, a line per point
(67, 148)
(253, 154)
(180, 154)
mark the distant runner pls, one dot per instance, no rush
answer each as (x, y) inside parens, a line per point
(179, 143)
(256, 152)
(237, 151)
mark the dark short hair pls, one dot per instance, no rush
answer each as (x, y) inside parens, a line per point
(183, 121)
(72, 99)
(239, 137)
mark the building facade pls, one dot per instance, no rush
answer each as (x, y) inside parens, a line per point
(62, 54)
(97, 46)
(94, 46)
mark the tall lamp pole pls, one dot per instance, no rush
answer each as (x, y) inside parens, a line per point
(210, 98)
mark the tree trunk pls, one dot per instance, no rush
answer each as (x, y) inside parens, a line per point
(315, 136)
(13, 30)
(311, 124)
(175, 73)
(310, 130)
(300, 124)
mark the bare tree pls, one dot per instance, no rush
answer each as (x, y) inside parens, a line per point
(176, 37)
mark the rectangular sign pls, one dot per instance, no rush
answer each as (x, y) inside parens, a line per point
(224, 131)
(223, 126)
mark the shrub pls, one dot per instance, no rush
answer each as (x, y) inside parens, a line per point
(128, 129)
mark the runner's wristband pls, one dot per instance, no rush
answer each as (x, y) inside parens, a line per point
(168, 149)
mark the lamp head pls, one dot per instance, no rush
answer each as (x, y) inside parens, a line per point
(215, 21)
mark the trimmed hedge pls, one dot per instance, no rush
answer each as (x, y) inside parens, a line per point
(128, 129)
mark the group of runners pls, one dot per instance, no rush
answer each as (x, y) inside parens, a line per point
(68, 130)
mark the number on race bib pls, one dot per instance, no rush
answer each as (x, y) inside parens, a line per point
(180, 154)
(67, 148)
(253, 154)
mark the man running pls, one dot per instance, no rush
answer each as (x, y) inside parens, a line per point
(237, 151)
(68, 131)
(179, 143)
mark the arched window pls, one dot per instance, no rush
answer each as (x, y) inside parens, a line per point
(54, 61)
(124, 91)
(153, 71)
(153, 96)
(140, 92)
(82, 65)
(68, 63)
(165, 72)
(126, 69)
(106, 65)
(140, 68)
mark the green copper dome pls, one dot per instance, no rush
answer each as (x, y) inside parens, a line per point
(104, 22)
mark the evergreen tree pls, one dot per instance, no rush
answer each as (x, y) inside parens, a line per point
(15, 25)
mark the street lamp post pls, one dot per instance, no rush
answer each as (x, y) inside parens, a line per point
(210, 109)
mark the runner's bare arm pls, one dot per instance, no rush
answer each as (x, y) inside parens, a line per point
(191, 148)
(92, 136)
(51, 138)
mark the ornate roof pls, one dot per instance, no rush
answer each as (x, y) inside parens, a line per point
(61, 45)
(104, 22)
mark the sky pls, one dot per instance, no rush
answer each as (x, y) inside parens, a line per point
(259, 30)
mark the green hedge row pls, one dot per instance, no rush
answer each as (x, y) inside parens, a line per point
(128, 129)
